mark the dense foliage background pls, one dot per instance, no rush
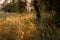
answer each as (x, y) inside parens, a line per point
(42, 22)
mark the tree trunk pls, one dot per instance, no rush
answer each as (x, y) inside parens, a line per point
(37, 10)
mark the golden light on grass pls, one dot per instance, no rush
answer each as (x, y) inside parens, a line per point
(19, 25)
(22, 34)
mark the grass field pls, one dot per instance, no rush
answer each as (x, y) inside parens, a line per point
(16, 25)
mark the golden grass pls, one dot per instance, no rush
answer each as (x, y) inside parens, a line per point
(21, 24)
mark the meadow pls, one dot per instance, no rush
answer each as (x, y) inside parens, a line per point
(15, 26)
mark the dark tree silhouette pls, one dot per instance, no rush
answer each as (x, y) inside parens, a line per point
(49, 6)
(57, 9)
(37, 10)
(54, 5)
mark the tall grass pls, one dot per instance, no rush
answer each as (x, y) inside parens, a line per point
(24, 26)
(16, 27)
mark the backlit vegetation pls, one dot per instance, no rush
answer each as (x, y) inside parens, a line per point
(16, 27)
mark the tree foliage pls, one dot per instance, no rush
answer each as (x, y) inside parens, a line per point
(15, 7)
(50, 6)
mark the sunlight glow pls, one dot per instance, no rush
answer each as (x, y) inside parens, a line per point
(1, 1)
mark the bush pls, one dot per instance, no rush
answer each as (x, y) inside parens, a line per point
(15, 7)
